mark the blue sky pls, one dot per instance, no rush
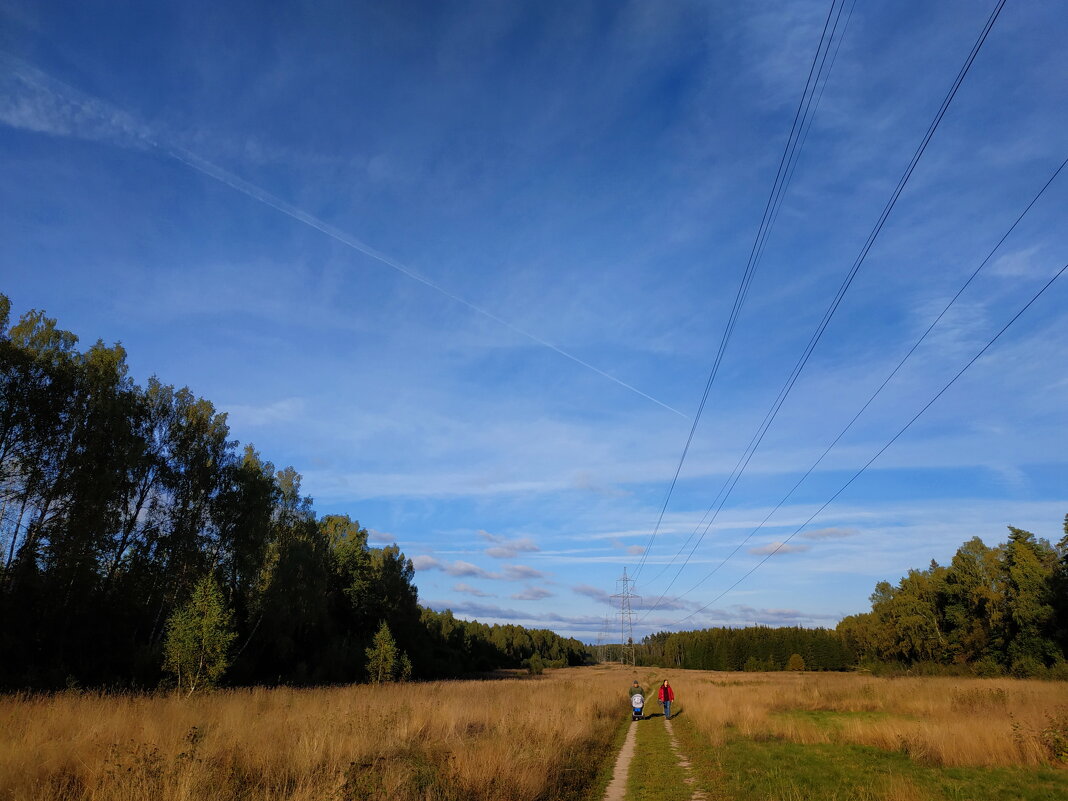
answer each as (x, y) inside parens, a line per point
(466, 266)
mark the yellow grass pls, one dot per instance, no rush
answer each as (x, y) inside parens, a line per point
(499, 740)
(937, 721)
(504, 740)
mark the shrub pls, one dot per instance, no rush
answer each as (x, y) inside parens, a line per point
(1054, 735)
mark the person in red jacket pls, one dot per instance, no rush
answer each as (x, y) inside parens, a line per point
(665, 696)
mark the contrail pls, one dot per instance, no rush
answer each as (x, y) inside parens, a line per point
(263, 196)
(125, 127)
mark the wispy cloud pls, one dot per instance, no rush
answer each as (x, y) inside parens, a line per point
(381, 537)
(505, 548)
(522, 572)
(35, 101)
(460, 569)
(424, 562)
(779, 548)
(467, 589)
(463, 569)
(280, 411)
(1019, 263)
(596, 593)
(830, 533)
(32, 100)
(532, 594)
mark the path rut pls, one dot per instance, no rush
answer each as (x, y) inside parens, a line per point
(617, 788)
(684, 763)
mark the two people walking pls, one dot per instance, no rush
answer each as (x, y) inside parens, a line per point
(665, 695)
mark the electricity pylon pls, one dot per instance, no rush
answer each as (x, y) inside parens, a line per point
(626, 617)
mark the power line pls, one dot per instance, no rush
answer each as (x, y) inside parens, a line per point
(881, 450)
(790, 170)
(888, 378)
(782, 177)
(769, 418)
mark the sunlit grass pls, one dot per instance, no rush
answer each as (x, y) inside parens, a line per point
(749, 736)
(499, 740)
(937, 721)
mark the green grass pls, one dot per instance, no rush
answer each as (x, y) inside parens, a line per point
(655, 774)
(831, 719)
(746, 770)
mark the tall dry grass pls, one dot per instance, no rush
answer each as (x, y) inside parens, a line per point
(937, 721)
(498, 740)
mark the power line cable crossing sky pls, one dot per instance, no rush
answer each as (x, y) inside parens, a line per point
(794, 143)
(233, 196)
(769, 418)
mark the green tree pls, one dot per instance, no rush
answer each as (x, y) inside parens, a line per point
(795, 662)
(382, 657)
(197, 648)
(1030, 566)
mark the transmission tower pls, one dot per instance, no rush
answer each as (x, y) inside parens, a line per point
(626, 597)
(602, 648)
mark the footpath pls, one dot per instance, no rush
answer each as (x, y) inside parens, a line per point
(652, 765)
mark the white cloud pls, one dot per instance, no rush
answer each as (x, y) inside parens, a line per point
(424, 562)
(280, 411)
(460, 568)
(33, 101)
(1018, 263)
(592, 592)
(506, 548)
(831, 532)
(382, 537)
(778, 548)
(521, 572)
(467, 589)
(532, 594)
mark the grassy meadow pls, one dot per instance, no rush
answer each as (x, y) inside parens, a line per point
(498, 740)
(749, 736)
(832, 736)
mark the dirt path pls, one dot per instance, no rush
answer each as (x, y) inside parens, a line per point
(684, 763)
(617, 788)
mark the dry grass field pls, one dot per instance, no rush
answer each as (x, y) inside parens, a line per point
(937, 721)
(525, 738)
(498, 740)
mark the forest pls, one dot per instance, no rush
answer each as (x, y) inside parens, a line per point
(753, 648)
(131, 523)
(992, 611)
(998, 610)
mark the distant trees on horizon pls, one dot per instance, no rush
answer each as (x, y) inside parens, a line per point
(992, 611)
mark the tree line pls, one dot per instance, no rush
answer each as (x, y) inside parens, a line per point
(130, 521)
(995, 610)
(753, 648)
(991, 611)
